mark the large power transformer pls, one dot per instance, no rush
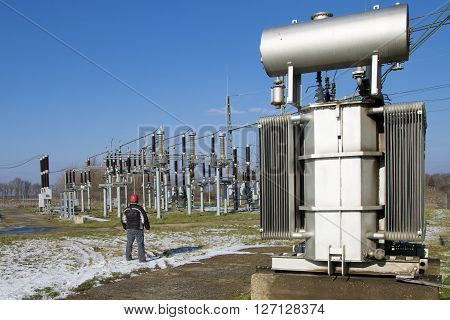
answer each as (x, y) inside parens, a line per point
(344, 176)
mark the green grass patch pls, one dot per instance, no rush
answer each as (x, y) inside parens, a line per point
(41, 294)
(97, 280)
(242, 296)
(444, 293)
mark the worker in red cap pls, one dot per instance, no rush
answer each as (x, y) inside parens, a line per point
(134, 219)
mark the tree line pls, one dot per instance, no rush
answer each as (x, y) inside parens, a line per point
(438, 180)
(18, 188)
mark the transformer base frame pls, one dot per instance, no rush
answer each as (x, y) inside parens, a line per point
(395, 266)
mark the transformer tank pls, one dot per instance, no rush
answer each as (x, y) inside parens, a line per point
(344, 177)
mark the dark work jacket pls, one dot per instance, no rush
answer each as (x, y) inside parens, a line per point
(134, 217)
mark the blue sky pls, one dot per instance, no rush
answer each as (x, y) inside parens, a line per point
(177, 53)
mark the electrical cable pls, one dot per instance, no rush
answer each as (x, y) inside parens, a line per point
(418, 90)
(19, 164)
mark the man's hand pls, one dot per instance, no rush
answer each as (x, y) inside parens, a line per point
(124, 226)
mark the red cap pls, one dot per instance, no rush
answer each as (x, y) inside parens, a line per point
(134, 198)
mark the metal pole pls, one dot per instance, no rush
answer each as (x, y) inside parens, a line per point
(82, 200)
(143, 182)
(166, 193)
(105, 213)
(126, 191)
(118, 197)
(209, 192)
(202, 206)
(225, 198)
(110, 192)
(218, 190)
(154, 192)
(89, 195)
(65, 209)
(149, 192)
(189, 191)
(158, 193)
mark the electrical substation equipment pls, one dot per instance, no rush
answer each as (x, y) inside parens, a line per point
(344, 177)
(45, 196)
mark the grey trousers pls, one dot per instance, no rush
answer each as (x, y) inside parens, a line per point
(139, 236)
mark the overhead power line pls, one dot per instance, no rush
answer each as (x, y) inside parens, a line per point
(418, 90)
(19, 163)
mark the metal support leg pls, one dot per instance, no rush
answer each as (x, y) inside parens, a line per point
(225, 198)
(218, 191)
(209, 193)
(110, 193)
(202, 205)
(158, 193)
(154, 191)
(143, 191)
(235, 196)
(189, 192)
(82, 200)
(126, 193)
(89, 196)
(105, 204)
(149, 192)
(166, 193)
(118, 198)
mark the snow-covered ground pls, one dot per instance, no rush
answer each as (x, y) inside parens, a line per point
(29, 266)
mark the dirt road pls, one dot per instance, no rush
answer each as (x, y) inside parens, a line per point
(221, 277)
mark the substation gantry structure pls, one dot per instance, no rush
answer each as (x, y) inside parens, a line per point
(73, 196)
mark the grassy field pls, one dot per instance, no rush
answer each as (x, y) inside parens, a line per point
(245, 225)
(244, 222)
(438, 240)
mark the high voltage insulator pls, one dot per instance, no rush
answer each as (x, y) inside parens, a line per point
(160, 134)
(235, 162)
(128, 164)
(203, 169)
(209, 171)
(144, 158)
(222, 145)
(81, 177)
(247, 154)
(213, 147)
(153, 143)
(192, 143)
(175, 171)
(44, 166)
(183, 143)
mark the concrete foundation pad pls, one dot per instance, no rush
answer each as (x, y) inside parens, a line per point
(299, 286)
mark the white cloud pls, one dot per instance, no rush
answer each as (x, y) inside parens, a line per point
(216, 111)
(222, 111)
(260, 110)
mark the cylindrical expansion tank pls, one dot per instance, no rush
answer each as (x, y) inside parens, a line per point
(337, 42)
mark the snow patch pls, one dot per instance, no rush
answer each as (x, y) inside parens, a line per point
(27, 266)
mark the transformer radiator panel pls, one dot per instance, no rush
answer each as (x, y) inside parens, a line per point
(405, 126)
(278, 186)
